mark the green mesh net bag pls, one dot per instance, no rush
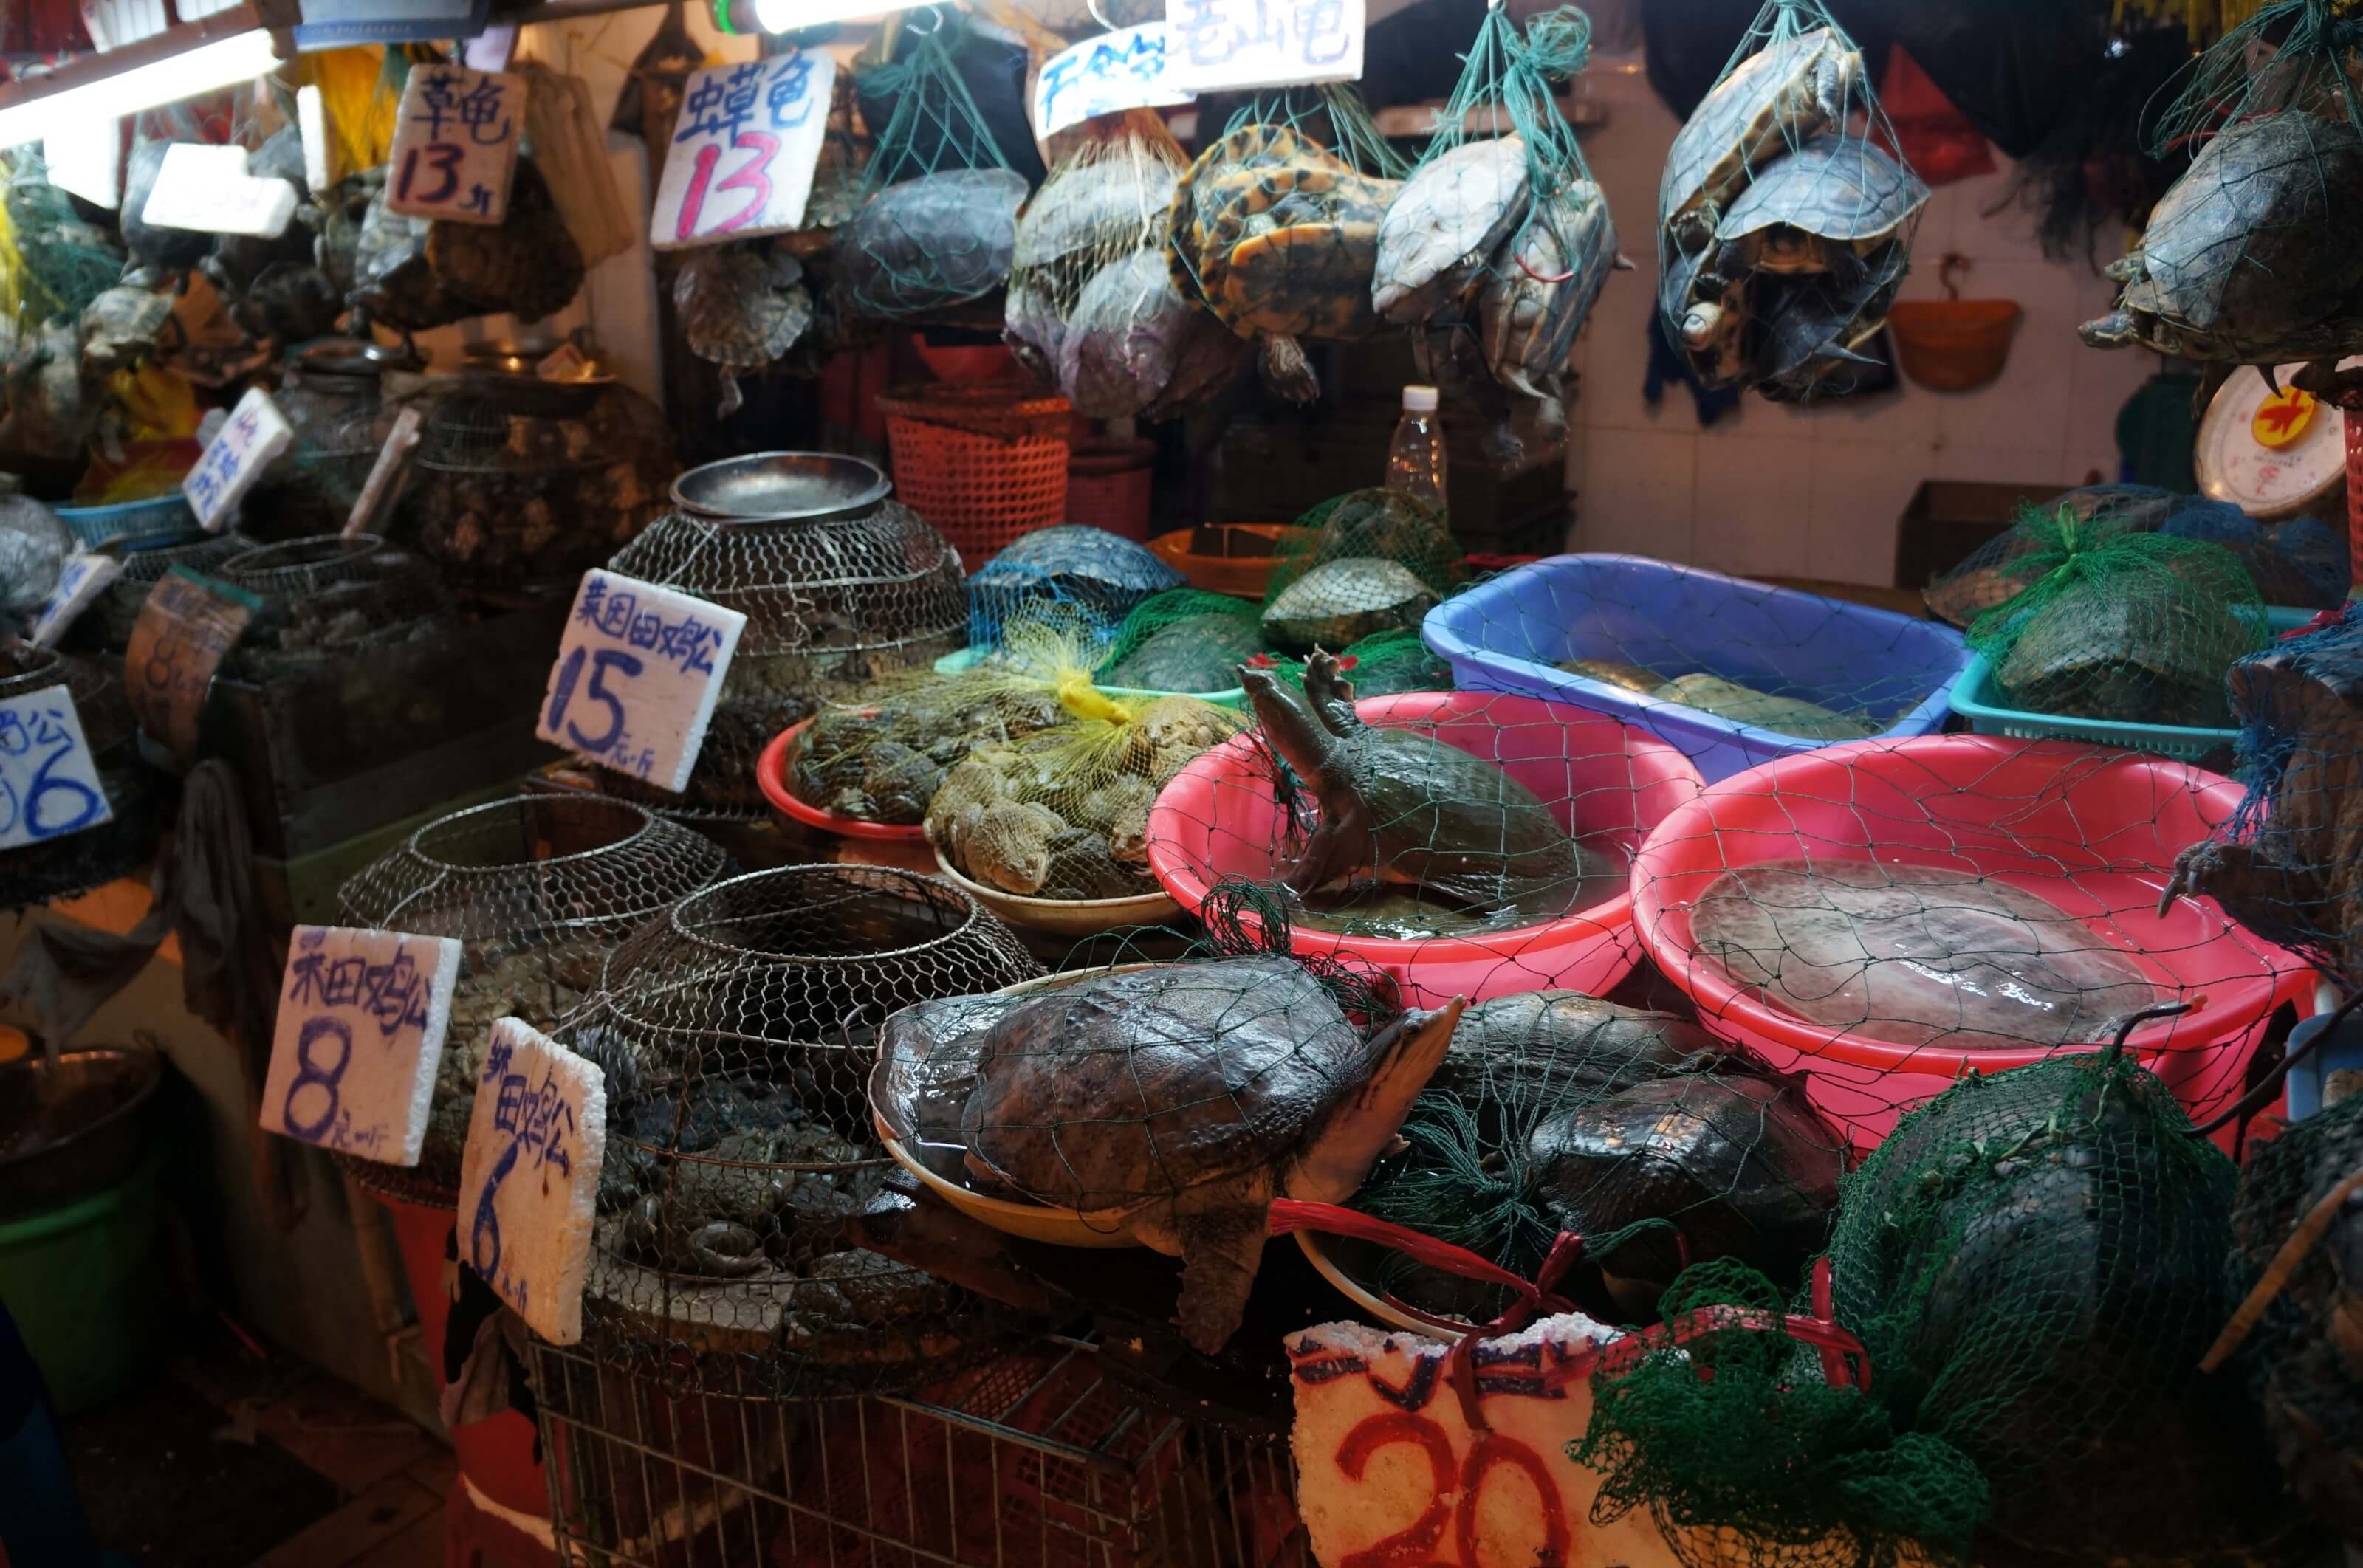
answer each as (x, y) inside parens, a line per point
(1184, 639)
(2033, 1263)
(1274, 227)
(2253, 254)
(1385, 663)
(1639, 1132)
(1785, 215)
(1368, 561)
(2120, 625)
(1501, 233)
(937, 226)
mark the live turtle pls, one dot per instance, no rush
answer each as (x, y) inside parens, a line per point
(741, 308)
(122, 325)
(1530, 309)
(1815, 325)
(1178, 1102)
(2255, 256)
(1823, 208)
(1209, 357)
(1706, 313)
(1775, 98)
(1403, 805)
(931, 244)
(1086, 217)
(1344, 600)
(528, 264)
(1446, 223)
(1121, 346)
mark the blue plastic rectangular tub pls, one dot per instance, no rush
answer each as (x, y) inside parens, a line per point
(1507, 635)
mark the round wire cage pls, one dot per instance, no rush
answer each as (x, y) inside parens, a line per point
(118, 607)
(839, 585)
(737, 1035)
(76, 850)
(539, 889)
(328, 595)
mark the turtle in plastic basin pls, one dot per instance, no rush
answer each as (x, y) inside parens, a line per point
(1406, 805)
(1449, 218)
(2256, 254)
(1180, 1101)
(1772, 100)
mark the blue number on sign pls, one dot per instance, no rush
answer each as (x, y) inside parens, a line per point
(602, 662)
(568, 674)
(484, 1236)
(309, 1074)
(44, 787)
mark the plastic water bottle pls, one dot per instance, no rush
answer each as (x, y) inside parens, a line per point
(1416, 456)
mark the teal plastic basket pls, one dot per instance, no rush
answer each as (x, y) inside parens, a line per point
(1977, 697)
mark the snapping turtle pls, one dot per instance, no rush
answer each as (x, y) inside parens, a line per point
(2255, 256)
(1445, 224)
(1407, 805)
(1822, 208)
(741, 308)
(1531, 309)
(1180, 1100)
(1775, 98)
(941, 240)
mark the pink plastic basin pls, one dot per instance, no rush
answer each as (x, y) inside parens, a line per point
(1605, 781)
(2093, 832)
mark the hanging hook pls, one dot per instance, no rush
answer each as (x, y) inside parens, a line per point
(1101, 16)
(934, 20)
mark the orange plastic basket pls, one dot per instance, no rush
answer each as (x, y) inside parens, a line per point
(982, 463)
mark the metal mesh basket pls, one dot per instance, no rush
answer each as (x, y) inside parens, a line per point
(328, 596)
(839, 585)
(1035, 1460)
(118, 607)
(539, 889)
(58, 867)
(737, 1035)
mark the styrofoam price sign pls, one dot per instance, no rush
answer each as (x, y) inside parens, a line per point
(744, 150)
(254, 433)
(208, 188)
(455, 144)
(637, 672)
(1107, 75)
(529, 1177)
(48, 785)
(1229, 44)
(361, 1020)
(85, 576)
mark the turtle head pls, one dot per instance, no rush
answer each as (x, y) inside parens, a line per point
(1363, 1118)
(1700, 324)
(2114, 330)
(1287, 721)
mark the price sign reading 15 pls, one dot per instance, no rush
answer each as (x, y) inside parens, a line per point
(744, 150)
(637, 673)
(455, 146)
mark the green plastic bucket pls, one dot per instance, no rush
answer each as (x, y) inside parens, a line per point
(85, 1283)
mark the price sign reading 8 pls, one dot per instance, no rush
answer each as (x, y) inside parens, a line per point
(744, 150)
(361, 1020)
(537, 1138)
(48, 783)
(637, 677)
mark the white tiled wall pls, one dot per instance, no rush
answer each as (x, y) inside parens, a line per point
(1816, 491)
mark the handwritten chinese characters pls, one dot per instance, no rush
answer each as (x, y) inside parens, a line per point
(254, 433)
(744, 150)
(455, 146)
(637, 673)
(187, 624)
(529, 1179)
(49, 786)
(362, 1018)
(1228, 44)
(1117, 70)
(85, 576)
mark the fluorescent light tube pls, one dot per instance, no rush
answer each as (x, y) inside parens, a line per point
(218, 62)
(786, 15)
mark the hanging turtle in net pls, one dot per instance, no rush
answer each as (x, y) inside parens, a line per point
(1500, 229)
(2034, 1263)
(741, 306)
(1275, 226)
(937, 229)
(2255, 254)
(1785, 214)
(1103, 200)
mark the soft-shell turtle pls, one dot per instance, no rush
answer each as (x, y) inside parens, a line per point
(1531, 308)
(1822, 208)
(932, 243)
(740, 307)
(1180, 1100)
(1406, 805)
(2256, 254)
(1445, 224)
(1775, 98)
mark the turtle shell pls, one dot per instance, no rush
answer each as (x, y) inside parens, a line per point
(1449, 218)
(1776, 96)
(1530, 311)
(1308, 273)
(1219, 175)
(1804, 317)
(2262, 235)
(1841, 188)
(1132, 1087)
(741, 306)
(121, 326)
(1121, 346)
(932, 243)
(1087, 214)
(1208, 358)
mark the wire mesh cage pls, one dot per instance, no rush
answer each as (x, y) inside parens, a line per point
(1037, 1459)
(333, 397)
(841, 586)
(118, 606)
(736, 1034)
(331, 599)
(73, 850)
(539, 889)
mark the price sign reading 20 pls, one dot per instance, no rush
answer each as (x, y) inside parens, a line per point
(638, 674)
(744, 150)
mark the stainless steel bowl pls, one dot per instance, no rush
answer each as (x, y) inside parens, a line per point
(71, 1128)
(781, 487)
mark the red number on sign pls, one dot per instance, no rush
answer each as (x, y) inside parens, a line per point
(750, 177)
(1416, 1543)
(445, 159)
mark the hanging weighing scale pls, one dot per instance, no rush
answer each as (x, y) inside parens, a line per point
(2273, 455)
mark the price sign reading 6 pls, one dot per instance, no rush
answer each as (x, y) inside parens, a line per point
(529, 1181)
(743, 153)
(48, 785)
(638, 674)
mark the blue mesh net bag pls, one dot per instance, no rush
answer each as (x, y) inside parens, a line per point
(1084, 579)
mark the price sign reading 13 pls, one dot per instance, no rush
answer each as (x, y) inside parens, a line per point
(455, 144)
(744, 151)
